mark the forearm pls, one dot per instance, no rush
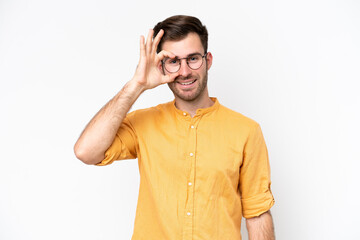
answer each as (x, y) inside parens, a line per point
(261, 227)
(100, 132)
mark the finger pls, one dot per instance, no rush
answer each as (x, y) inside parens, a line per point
(142, 46)
(157, 40)
(149, 41)
(163, 54)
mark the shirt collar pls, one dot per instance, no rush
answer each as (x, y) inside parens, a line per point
(200, 111)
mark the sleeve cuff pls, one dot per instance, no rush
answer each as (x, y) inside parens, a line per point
(257, 205)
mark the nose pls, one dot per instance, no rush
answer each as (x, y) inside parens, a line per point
(184, 68)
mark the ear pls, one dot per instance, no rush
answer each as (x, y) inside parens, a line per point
(209, 59)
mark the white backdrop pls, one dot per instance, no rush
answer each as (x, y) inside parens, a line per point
(293, 66)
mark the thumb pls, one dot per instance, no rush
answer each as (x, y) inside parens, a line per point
(170, 78)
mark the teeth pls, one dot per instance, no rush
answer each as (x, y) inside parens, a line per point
(187, 83)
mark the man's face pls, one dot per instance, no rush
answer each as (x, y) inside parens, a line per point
(190, 84)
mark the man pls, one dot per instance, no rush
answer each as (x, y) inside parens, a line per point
(202, 166)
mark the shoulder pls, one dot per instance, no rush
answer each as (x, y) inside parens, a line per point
(151, 113)
(235, 118)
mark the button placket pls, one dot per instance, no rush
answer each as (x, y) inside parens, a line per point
(191, 157)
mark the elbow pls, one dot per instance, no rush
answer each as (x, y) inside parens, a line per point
(86, 156)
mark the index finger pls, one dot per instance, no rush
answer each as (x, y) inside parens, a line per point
(164, 54)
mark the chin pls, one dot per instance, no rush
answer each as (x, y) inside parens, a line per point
(187, 98)
(184, 95)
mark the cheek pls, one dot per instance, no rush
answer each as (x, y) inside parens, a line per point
(203, 72)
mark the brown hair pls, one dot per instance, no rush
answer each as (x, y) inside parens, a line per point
(177, 27)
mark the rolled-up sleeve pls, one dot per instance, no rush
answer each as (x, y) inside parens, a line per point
(254, 177)
(124, 145)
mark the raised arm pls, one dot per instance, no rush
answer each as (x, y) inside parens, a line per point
(261, 227)
(100, 132)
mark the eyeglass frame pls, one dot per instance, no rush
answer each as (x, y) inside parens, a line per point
(187, 63)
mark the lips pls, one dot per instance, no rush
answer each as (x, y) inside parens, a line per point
(187, 83)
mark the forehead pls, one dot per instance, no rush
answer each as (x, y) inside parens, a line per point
(190, 44)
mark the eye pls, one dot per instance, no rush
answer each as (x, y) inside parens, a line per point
(194, 58)
(172, 61)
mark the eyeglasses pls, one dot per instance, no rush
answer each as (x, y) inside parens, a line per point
(194, 61)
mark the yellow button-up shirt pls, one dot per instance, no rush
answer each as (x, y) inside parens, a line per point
(198, 175)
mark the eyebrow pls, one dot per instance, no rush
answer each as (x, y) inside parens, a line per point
(190, 54)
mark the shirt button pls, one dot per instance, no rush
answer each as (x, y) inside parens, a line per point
(188, 213)
(192, 126)
(184, 113)
(189, 183)
(191, 154)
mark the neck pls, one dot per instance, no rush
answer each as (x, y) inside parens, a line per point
(191, 106)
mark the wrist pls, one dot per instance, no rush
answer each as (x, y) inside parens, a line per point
(133, 87)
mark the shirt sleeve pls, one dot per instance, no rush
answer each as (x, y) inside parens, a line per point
(124, 145)
(254, 177)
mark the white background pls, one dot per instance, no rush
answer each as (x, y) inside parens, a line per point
(293, 66)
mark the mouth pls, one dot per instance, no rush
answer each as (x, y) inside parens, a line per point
(187, 84)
